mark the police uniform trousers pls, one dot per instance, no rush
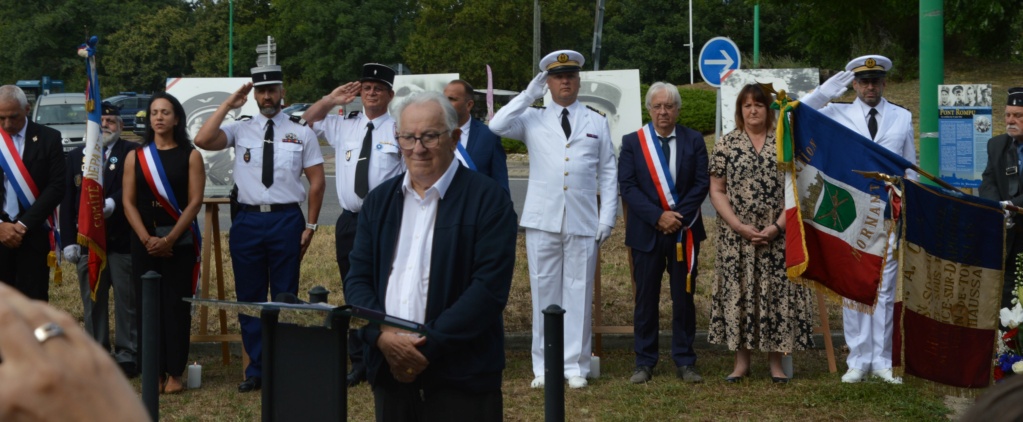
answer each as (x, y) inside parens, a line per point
(97, 321)
(175, 316)
(561, 268)
(869, 337)
(344, 241)
(265, 249)
(648, 270)
(24, 267)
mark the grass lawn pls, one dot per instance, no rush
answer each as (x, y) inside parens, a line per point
(814, 394)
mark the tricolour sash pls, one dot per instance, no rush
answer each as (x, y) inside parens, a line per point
(462, 155)
(156, 178)
(657, 164)
(26, 190)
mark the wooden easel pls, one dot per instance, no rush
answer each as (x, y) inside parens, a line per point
(824, 329)
(211, 248)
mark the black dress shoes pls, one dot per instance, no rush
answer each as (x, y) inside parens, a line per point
(779, 380)
(357, 374)
(250, 384)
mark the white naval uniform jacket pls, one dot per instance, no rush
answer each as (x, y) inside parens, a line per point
(894, 125)
(565, 176)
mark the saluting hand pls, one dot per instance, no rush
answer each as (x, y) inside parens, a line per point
(239, 97)
(346, 93)
(537, 87)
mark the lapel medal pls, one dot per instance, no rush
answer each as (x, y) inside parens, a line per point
(112, 166)
(248, 155)
(35, 138)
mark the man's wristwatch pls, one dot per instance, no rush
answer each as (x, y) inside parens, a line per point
(311, 226)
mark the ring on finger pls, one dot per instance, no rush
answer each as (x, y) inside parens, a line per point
(408, 371)
(47, 331)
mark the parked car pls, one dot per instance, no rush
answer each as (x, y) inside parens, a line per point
(130, 103)
(296, 109)
(64, 112)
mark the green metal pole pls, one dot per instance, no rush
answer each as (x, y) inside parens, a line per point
(932, 74)
(230, 39)
(756, 36)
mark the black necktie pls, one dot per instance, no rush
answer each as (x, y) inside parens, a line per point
(872, 123)
(665, 147)
(268, 154)
(564, 123)
(362, 167)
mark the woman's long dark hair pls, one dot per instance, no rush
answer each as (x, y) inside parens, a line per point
(180, 132)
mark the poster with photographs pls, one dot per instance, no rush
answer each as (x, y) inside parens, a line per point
(405, 85)
(796, 83)
(200, 97)
(964, 127)
(614, 93)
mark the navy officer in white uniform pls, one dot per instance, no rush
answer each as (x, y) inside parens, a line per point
(269, 236)
(366, 155)
(571, 161)
(870, 336)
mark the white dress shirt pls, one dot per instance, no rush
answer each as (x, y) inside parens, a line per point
(409, 282)
(295, 149)
(345, 134)
(11, 198)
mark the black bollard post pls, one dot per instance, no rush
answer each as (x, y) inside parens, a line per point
(318, 294)
(151, 343)
(554, 367)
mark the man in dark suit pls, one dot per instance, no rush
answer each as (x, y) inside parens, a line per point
(662, 173)
(436, 246)
(486, 154)
(24, 232)
(118, 270)
(1001, 181)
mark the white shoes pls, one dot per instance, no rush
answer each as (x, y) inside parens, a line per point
(886, 376)
(855, 375)
(537, 382)
(576, 382)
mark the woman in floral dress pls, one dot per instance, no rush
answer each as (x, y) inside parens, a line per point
(755, 306)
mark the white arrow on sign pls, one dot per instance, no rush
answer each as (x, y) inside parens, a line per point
(727, 61)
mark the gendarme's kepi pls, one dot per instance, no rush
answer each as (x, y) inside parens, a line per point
(869, 66)
(379, 73)
(267, 75)
(562, 61)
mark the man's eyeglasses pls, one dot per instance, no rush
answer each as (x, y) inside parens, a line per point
(429, 140)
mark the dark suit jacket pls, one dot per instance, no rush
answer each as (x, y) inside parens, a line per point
(487, 153)
(44, 158)
(692, 183)
(117, 226)
(470, 275)
(996, 182)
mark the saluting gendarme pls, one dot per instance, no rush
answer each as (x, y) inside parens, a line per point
(571, 161)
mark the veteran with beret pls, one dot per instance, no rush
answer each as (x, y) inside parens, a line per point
(571, 162)
(269, 236)
(117, 273)
(1001, 181)
(869, 336)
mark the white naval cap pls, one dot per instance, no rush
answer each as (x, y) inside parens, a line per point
(869, 66)
(562, 61)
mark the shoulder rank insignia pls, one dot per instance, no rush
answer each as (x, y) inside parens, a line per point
(243, 118)
(352, 114)
(899, 106)
(596, 111)
(297, 119)
(539, 107)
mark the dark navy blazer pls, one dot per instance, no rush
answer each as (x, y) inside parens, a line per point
(487, 153)
(113, 169)
(692, 182)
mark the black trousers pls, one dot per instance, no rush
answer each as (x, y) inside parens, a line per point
(344, 241)
(408, 402)
(24, 267)
(648, 270)
(175, 316)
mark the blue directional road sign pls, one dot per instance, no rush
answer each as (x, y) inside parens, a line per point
(719, 57)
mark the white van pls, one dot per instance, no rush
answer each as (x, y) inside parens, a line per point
(64, 112)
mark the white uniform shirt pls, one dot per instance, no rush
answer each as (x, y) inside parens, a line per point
(345, 134)
(295, 149)
(409, 282)
(565, 175)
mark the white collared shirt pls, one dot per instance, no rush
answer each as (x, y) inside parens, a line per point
(409, 282)
(672, 161)
(346, 135)
(464, 139)
(295, 149)
(11, 198)
(865, 109)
